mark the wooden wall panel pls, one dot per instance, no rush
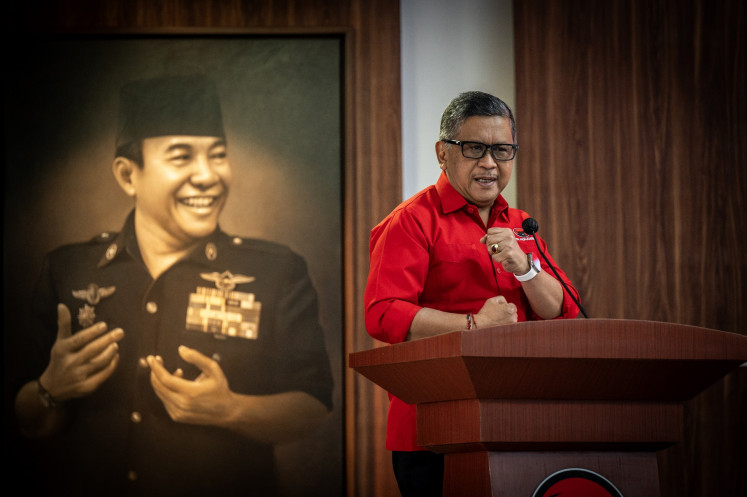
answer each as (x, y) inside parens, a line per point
(633, 129)
(372, 174)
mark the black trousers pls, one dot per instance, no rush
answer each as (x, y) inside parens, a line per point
(419, 473)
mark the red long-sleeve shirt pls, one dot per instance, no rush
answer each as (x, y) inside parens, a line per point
(427, 253)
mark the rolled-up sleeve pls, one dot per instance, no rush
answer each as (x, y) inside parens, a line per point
(399, 266)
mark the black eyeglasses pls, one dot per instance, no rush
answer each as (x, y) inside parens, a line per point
(477, 150)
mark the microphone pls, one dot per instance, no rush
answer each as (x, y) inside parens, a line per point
(530, 227)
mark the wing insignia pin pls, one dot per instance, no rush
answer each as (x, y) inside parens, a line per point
(94, 293)
(226, 280)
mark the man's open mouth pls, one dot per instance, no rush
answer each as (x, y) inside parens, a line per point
(198, 201)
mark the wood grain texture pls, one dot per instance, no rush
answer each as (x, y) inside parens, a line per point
(473, 470)
(633, 129)
(536, 425)
(372, 162)
(633, 474)
(562, 385)
(512, 474)
(632, 124)
(595, 359)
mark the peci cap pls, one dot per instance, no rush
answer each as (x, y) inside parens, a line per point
(173, 105)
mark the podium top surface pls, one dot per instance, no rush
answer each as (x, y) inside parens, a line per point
(568, 359)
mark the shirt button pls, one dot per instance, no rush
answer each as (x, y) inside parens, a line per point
(151, 307)
(131, 475)
(211, 251)
(136, 417)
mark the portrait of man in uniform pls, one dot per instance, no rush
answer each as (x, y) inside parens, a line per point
(185, 351)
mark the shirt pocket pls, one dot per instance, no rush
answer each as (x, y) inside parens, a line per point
(454, 269)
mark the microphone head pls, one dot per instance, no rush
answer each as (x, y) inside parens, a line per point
(530, 226)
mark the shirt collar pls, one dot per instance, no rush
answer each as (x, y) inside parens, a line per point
(452, 200)
(126, 243)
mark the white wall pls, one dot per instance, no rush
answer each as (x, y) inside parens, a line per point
(449, 47)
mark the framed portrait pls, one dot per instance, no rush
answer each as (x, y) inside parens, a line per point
(282, 100)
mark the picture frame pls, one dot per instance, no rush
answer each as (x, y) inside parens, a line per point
(284, 100)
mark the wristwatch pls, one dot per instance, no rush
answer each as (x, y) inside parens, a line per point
(533, 270)
(44, 397)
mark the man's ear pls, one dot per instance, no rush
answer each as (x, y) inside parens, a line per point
(441, 154)
(123, 169)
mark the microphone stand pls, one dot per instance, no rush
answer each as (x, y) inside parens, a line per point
(530, 228)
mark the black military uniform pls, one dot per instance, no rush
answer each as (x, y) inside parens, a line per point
(249, 304)
(121, 438)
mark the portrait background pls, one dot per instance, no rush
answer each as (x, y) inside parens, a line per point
(281, 98)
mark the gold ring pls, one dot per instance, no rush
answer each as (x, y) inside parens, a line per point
(494, 248)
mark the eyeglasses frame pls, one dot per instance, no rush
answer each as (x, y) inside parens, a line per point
(487, 147)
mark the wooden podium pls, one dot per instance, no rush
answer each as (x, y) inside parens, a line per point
(518, 408)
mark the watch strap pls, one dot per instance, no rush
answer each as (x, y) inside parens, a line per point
(533, 270)
(45, 397)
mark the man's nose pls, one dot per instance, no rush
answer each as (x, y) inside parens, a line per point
(203, 172)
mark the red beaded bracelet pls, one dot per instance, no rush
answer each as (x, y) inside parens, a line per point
(471, 322)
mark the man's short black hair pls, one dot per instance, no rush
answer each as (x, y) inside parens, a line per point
(473, 103)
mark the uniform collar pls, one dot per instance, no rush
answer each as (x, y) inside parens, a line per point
(125, 242)
(452, 200)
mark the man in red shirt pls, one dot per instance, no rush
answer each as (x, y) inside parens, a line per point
(454, 257)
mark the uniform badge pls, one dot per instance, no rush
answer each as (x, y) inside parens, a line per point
(92, 294)
(223, 311)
